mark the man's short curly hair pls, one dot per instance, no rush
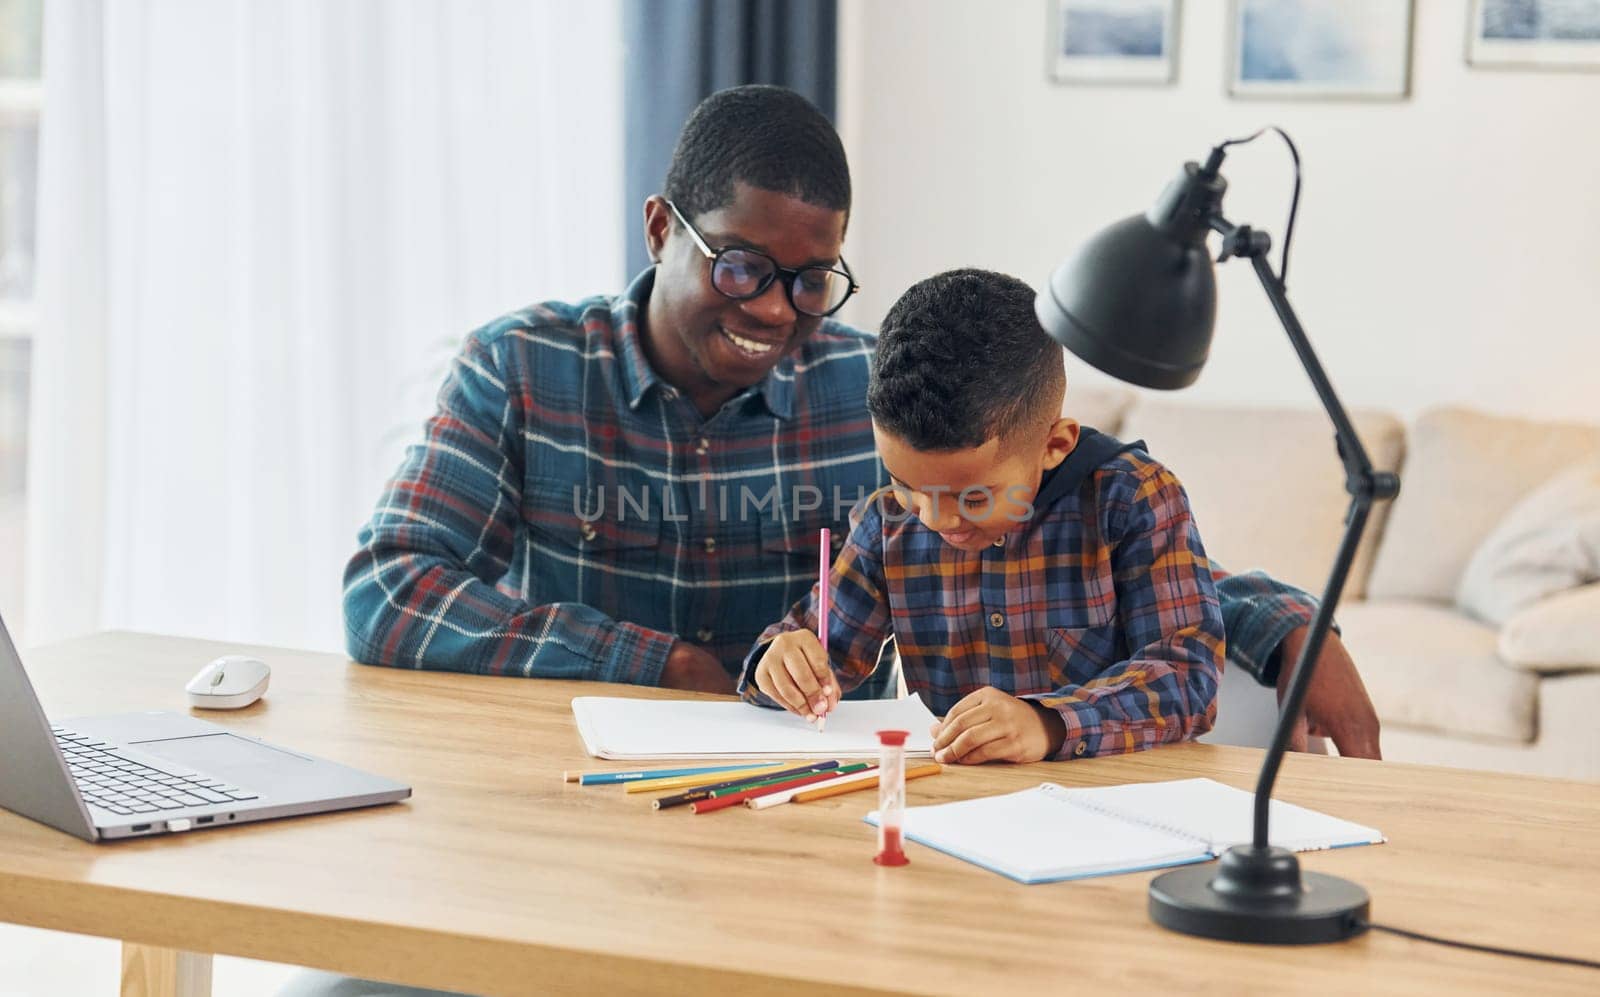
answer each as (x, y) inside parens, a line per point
(768, 137)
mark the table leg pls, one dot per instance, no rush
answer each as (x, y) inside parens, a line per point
(148, 971)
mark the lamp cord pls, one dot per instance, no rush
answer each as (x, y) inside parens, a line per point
(1294, 201)
(1492, 949)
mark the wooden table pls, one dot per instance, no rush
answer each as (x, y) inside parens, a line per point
(499, 878)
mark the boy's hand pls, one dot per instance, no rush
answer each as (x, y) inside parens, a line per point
(795, 673)
(993, 726)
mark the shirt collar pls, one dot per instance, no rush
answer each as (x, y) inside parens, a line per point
(637, 374)
(776, 389)
(1093, 450)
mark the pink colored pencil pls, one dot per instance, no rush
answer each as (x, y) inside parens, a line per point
(824, 566)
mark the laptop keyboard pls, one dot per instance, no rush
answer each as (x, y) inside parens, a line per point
(126, 787)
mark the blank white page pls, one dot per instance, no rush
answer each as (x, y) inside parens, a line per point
(618, 728)
(1223, 815)
(1038, 835)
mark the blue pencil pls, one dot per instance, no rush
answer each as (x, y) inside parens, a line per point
(607, 778)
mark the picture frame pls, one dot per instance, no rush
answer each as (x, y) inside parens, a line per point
(1321, 49)
(1115, 42)
(1534, 34)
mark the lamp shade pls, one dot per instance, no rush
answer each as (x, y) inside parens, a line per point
(1139, 299)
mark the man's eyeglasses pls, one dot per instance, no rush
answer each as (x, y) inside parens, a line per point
(742, 274)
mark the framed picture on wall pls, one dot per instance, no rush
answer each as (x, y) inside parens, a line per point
(1113, 41)
(1321, 49)
(1535, 34)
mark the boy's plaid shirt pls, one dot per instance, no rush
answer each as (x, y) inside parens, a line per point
(476, 560)
(1100, 606)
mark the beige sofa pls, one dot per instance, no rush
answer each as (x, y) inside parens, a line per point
(1268, 492)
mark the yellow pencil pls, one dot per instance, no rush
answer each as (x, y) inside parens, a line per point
(704, 779)
(916, 771)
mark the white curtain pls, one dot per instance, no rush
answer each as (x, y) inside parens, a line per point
(263, 227)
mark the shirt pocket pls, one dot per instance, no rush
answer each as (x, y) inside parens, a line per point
(1088, 643)
(791, 548)
(798, 538)
(577, 525)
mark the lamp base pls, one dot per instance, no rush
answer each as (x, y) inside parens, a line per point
(1261, 896)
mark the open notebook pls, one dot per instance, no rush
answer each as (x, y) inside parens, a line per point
(618, 728)
(1051, 833)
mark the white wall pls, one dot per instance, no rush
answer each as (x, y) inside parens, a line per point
(1448, 246)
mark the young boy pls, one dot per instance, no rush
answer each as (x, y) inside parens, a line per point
(1044, 584)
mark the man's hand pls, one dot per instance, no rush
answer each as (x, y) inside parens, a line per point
(1336, 705)
(794, 672)
(695, 668)
(993, 726)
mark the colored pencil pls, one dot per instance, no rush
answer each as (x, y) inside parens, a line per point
(776, 799)
(705, 792)
(690, 781)
(734, 799)
(772, 778)
(819, 793)
(606, 778)
(823, 580)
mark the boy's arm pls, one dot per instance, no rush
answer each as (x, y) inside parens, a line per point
(1170, 622)
(858, 610)
(420, 591)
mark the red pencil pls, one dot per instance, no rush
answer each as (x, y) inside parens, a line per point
(718, 802)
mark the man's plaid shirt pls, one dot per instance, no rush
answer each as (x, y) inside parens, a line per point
(569, 515)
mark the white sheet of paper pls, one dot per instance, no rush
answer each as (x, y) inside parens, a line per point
(618, 728)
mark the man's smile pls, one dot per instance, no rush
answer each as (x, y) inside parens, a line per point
(747, 345)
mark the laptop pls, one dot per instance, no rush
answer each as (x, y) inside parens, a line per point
(138, 774)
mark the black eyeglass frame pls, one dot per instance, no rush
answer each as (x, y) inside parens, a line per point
(790, 274)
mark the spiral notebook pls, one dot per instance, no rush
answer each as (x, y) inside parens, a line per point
(1050, 833)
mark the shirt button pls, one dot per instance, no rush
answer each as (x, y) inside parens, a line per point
(586, 531)
(997, 619)
(702, 446)
(711, 545)
(1081, 748)
(704, 635)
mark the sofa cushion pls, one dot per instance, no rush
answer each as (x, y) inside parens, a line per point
(1548, 543)
(1266, 485)
(1464, 470)
(1426, 665)
(1099, 407)
(1558, 634)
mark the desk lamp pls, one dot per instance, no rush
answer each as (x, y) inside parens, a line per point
(1138, 301)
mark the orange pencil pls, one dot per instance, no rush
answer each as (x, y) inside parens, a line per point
(916, 771)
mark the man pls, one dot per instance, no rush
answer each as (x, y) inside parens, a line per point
(629, 488)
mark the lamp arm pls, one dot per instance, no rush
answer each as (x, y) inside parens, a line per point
(1365, 485)
(1321, 620)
